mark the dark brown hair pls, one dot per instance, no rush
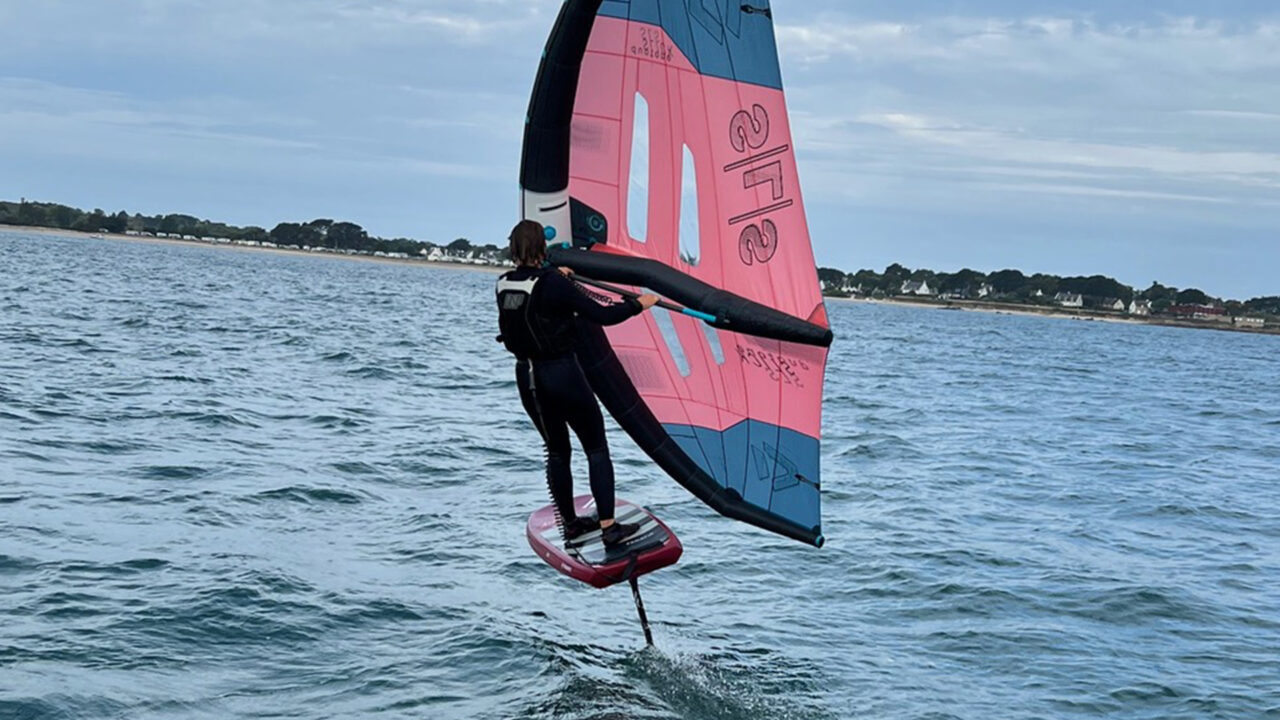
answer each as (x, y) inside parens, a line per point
(528, 243)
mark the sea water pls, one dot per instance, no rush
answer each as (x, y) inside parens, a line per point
(249, 484)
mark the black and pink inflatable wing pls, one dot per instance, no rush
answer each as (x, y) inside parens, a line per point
(658, 141)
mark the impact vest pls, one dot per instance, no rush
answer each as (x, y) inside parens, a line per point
(528, 334)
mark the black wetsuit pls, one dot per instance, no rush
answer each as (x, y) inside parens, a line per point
(553, 389)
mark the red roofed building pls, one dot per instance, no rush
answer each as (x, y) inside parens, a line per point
(1199, 312)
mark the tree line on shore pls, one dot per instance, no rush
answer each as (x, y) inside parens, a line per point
(1014, 286)
(319, 233)
(1002, 286)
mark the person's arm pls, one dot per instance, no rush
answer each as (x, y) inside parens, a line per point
(567, 295)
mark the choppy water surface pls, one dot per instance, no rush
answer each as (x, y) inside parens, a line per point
(241, 484)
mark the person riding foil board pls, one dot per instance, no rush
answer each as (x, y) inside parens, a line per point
(538, 309)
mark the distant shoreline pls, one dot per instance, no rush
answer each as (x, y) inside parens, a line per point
(291, 251)
(1056, 312)
(963, 305)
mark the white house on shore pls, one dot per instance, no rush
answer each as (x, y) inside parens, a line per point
(1141, 308)
(1252, 322)
(1112, 304)
(1071, 300)
(918, 287)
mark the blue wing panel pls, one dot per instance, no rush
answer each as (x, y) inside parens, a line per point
(772, 468)
(718, 36)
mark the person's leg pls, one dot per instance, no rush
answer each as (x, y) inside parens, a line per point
(524, 383)
(555, 438)
(588, 425)
(583, 415)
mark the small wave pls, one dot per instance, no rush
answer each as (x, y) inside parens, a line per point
(355, 468)
(142, 564)
(308, 495)
(58, 705)
(171, 472)
(1145, 693)
(969, 599)
(133, 389)
(105, 570)
(114, 447)
(1071, 370)
(1133, 605)
(27, 455)
(6, 415)
(71, 605)
(372, 372)
(335, 422)
(10, 565)
(241, 611)
(432, 557)
(379, 611)
(208, 516)
(215, 419)
(97, 497)
(1208, 511)
(421, 522)
(73, 343)
(184, 379)
(415, 366)
(341, 356)
(966, 558)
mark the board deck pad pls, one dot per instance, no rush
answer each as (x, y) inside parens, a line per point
(588, 559)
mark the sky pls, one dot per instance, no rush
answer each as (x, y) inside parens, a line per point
(1136, 140)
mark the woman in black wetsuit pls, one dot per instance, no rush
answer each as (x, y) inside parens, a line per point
(538, 309)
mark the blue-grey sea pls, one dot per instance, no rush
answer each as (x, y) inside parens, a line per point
(240, 484)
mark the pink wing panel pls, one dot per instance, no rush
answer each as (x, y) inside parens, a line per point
(754, 239)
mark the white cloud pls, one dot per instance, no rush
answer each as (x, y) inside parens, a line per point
(474, 22)
(1055, 46)
(230, 29)
(996, 145)
(1067, 105)
(1236, 115)
(1091, 191)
